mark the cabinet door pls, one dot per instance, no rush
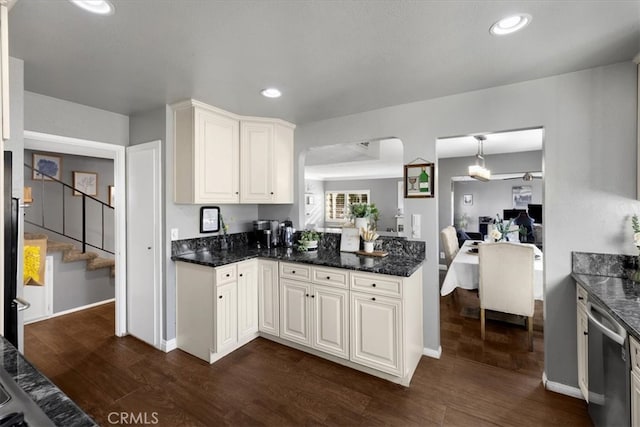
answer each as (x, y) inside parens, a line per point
(635, 399)
(282, 186)
(294, 311)
(226, 316)
(268, 301)
(331, 320)
(216, 158)
(583, 351)
(256, 162)
(375, 332)
(247, 299)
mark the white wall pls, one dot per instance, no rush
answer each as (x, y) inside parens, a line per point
(589, 165)
(314, 203)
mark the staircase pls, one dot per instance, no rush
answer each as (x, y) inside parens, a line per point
(71, 254)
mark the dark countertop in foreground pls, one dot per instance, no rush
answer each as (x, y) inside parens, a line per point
(620, 297)
(393, 264)
(53, 402)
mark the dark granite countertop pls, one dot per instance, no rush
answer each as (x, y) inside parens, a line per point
(53, 402)
(395, 265)
(619, 296)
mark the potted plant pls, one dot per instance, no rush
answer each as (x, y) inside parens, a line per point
(361, 213)
(308, 240)
(369, 236)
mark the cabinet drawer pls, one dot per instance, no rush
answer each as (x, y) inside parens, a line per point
(225, 274)
(330, 277)
(377, 284)
(295, 271)
(581, 296)
(634, 347)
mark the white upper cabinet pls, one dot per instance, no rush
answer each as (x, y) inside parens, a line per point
(220, 157)
(206, 155)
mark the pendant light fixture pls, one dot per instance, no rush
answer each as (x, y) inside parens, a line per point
(478, 170)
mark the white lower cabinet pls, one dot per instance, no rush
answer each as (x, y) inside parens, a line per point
(268, 297)
(247, 299)
(634, 348)
(371, 322)
(376, 328)
(216, 308)
(582, 337)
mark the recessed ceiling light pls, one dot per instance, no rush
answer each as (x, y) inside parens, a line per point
(510, 24)
(99, 7)
(271, 92)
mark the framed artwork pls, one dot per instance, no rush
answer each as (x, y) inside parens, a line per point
(521, 196)
(112, 196)
(467, 199)
(419, 181)
(350, 239)
(85, 182)
(48, 165)
(209, 219)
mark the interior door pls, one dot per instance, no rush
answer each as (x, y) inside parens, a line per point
(144, 238)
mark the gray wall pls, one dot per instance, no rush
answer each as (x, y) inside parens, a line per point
(384, 193)
(498, 163)
(489, 198)
(589, 119)
(53, 199)
(59, 117)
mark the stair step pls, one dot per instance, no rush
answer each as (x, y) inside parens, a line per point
(76, 255)
(53, 246)
(99, 262)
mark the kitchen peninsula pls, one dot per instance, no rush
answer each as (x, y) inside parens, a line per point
(362, 312)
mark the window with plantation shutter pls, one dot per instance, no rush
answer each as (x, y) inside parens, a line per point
(336, 204)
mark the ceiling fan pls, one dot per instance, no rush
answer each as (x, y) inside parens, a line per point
(527, 177)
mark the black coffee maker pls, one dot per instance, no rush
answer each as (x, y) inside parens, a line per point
(262, 233)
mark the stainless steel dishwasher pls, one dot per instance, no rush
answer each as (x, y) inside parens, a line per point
(609, 369)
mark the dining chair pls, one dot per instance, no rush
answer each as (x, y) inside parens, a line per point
(450, 246)
(506, 281)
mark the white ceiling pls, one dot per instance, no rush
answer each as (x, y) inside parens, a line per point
(329, 58)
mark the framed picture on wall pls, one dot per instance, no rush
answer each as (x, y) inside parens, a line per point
(209, 219)
(467, 199)
(47, 164)
(419, 180)
(521, 196)
(85, 182)
(112, 196)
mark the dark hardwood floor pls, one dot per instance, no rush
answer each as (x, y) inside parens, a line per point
(497, 382)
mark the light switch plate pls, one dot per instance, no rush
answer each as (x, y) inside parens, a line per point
(174, 234)
(415, 226)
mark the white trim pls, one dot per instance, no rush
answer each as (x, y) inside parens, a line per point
(169, 345)
(73, 310)
(432, 353)
(567, 390)
(83, 147)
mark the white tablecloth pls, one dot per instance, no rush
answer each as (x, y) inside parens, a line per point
(464, 272)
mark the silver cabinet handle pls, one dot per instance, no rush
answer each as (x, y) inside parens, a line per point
(22, 304)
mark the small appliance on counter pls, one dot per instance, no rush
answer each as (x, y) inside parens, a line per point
(286, 233)
(262, 233)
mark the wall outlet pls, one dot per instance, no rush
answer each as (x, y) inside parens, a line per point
(174, 234)
(441, 255)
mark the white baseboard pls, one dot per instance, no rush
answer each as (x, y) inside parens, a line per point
(168, 346)
(561, 388)
(433, 353)
(73, 310)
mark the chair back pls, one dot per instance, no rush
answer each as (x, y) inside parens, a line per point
(449, 243)
(506, 277)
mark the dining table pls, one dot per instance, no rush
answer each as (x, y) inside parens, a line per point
(464, 270)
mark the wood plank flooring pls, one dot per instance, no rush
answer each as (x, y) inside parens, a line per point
(497, 382)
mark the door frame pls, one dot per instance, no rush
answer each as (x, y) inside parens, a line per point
(83, 147)
(156, 149)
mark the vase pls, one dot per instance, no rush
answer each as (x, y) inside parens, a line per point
(312, 245)
(368, 247)
(362, 223)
